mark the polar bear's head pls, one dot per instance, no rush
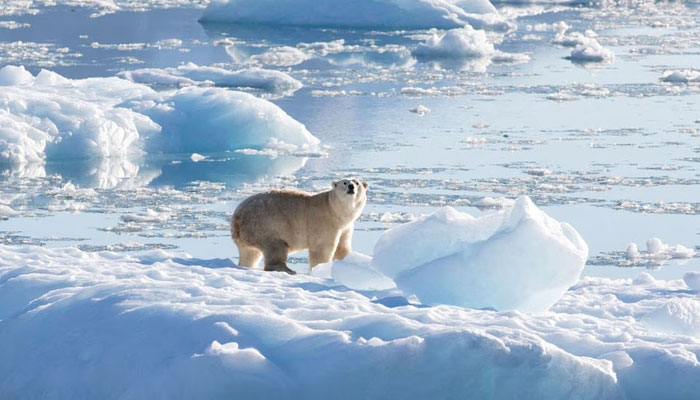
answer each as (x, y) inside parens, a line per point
(351, 195)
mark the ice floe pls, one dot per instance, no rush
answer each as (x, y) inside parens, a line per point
(383, 14)
(164, 324)
(658, 251)
(276, 82)
(420, 110)
(463, 44)
(52, 117)
(681, 76)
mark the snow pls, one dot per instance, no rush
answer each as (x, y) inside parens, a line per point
(677, 316)
(354, 271)
(49, 117)
(192, 74)
(164, 324)
(382, 14)
(450, 257)
(12, 75)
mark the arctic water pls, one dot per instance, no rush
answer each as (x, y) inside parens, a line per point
(610, 146)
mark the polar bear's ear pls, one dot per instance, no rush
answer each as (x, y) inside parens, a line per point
(365, 184)
(335, 184)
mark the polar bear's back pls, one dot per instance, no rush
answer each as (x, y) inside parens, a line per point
(277, 214)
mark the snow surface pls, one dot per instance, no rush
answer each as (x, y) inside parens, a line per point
(515, 259)
(75, 324)
(50, 117)
(383, 14)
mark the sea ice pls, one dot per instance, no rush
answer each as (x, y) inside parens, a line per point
(383, 14)
(222, 120)
(681, 76)
(191, 74)
(450, 257)
(167, 325)
(591, 51)
(51, 117)
(464, 42)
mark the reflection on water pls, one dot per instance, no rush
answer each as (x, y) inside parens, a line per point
(165, 170)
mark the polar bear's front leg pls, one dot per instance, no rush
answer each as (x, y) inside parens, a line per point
(344, 244)
(322, 249)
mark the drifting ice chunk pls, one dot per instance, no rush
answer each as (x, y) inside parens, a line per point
(354, 271)
(657, 250)
(464, 42)
(518, 258)
(590, 50)
(420, 110)
(191, 74)
(389, 14)
(681, 76)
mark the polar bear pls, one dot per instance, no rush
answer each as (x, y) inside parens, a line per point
(279, 222)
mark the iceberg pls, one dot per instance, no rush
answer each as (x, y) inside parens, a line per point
(49, 117)
(379, 14)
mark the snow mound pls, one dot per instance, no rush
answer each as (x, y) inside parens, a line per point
(49, 117)
(677, 316)
(679, 76)
(518, 258)
(356, 272)
(382, 14)
(191, 74)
